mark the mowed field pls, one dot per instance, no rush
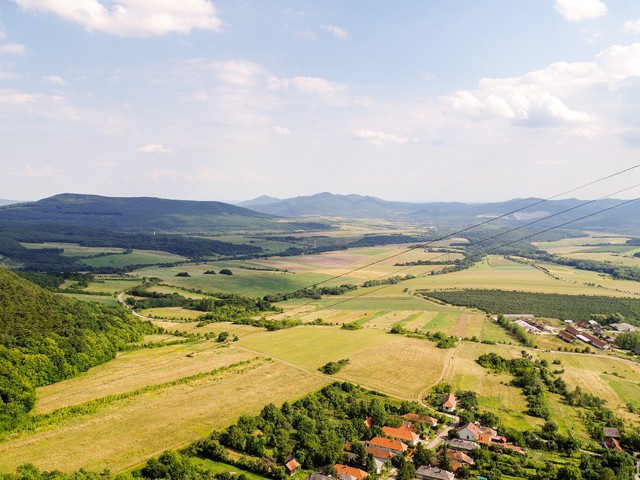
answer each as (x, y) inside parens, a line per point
(123, 433)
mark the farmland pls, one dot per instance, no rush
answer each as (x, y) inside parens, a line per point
(152, 399)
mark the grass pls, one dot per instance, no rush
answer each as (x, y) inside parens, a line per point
(126, 433)
(137, 257)
(107, 300)
(176, 313)
(244, 282)
(137, 369)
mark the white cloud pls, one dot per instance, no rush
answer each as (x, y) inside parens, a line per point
(620, 61)
(284, 131)
(337, 32)
(31, 172)
(133, 18)
(13, 49)
(16, 98)
(54, 80)
(379, 138)
(577, 10)
(632, 26)
(153, 148)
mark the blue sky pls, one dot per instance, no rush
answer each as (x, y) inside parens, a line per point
(416, 100)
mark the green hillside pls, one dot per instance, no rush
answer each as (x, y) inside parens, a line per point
(45, 338)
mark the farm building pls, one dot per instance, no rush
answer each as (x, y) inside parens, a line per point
(624, 327)
(566, 336)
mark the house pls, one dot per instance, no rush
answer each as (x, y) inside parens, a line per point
(462, 445)
(612, 444)
(414, 417)
(470, 432)
(433, 473)
(450, 403)
(368, 422)
(403, 434)
(350, 471)
(460, 457)
(612, 432)
(292, 466)
(380, 457)
(393, 446)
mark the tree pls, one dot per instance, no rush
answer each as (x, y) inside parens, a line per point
(222, 337)
(226, 271)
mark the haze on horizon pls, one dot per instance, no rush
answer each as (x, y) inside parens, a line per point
(230, 99)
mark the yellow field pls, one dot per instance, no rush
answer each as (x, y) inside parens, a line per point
(402, 367)
(138, 369)
(126, 433)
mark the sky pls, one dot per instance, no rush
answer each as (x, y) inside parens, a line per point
(439, 100)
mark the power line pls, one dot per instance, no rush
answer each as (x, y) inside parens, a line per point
(483, 252)
(476, 225)
(492, 237)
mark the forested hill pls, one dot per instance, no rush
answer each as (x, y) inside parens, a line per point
(623, 216)
(135, 214)
(45, 338)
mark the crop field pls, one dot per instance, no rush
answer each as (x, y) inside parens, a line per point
(614, 258)
(567, 245)
(312, 347)
(493, 390)
(124, 433)
(73, 249)
(137, 369)
(106, 299)
(137, 257)
(251, 283)
(111, 285)
(402, 367)
(174, 394)
(191, 327)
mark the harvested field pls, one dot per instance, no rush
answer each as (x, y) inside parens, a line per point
(401, 366)
(137, 369)
(128, 432)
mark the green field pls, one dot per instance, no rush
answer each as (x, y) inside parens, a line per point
(137, 257)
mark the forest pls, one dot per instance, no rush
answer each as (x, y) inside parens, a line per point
(548, 305)
(45, 338)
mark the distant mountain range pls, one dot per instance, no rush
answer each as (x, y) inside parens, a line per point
(148, 215)
(328, 205)
(140, 214)
(4, 201)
